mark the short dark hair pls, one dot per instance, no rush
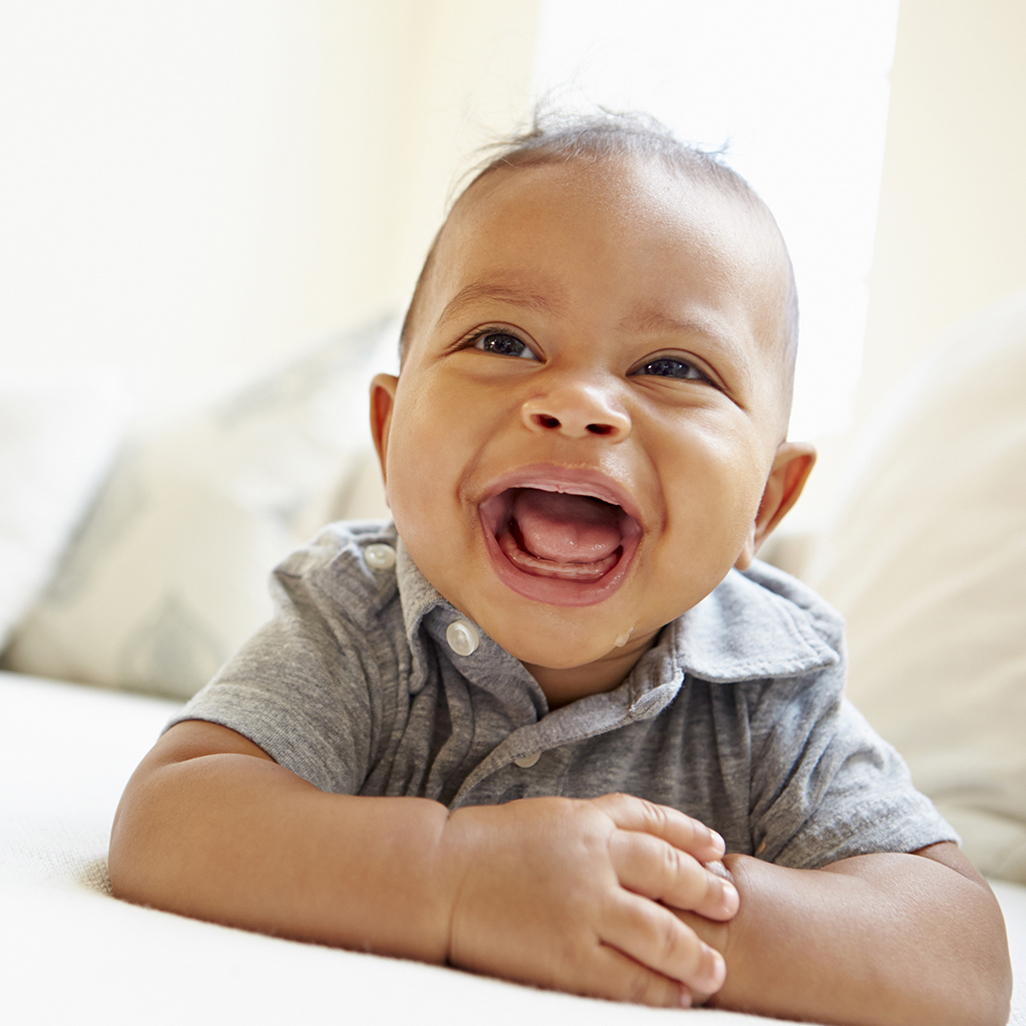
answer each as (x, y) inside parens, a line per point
(555, 137)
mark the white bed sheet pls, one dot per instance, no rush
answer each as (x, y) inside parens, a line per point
(71, 953)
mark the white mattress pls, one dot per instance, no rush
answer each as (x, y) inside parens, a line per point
(71, 953)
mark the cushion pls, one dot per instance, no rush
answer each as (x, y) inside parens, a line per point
(58, 438)
(927, 561)
(168, 574)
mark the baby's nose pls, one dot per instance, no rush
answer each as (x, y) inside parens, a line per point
(576, 412)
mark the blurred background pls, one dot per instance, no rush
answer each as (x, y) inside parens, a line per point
(212, 213)
(193, 192)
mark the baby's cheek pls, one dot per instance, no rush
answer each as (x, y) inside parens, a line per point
(411, 509)
(410, 466)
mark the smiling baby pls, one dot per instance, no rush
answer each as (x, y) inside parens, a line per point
(556, 723)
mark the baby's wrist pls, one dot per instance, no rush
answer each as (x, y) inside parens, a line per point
(432, 877)
(455, 856)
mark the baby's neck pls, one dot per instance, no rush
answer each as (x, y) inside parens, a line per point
(563, 685)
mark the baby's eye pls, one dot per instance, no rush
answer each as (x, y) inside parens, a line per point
(672, 367)
(503, 344)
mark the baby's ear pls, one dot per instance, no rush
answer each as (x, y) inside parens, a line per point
(382, 401)
(791, 468)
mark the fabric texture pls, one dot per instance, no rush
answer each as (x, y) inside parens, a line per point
(735, 717)
(167, 574)
(58, 439)
(927, 562)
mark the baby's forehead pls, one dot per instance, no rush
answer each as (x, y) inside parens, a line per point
(627, 190)
(619, 178)
(722, 223)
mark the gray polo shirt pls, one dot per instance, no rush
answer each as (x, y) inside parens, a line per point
(368, 682)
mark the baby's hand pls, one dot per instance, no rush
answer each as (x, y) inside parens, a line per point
(572, 894)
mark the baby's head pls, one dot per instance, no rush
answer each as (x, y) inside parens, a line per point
(589, 427)
(620, 140)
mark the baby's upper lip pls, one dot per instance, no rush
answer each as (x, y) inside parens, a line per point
(549, 477)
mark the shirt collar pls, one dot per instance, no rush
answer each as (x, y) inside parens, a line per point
(756, 625)
(490, 666)
(759, 624)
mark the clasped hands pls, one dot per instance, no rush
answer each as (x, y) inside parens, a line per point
(578, 895)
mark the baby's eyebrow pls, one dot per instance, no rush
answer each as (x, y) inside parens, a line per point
(645, 321)
(503, 290)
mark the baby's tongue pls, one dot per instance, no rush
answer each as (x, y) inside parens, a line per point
(566, 528)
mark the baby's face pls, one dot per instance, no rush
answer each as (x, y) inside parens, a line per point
(578, 443)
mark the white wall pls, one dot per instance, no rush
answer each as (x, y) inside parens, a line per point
(951, 234)
(952, 209)
(193, 189)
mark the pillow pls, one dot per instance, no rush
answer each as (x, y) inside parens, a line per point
(168, 574)
(928, 563)
(58, 438)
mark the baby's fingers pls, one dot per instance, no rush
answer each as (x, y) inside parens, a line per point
(673, 826)
(658, 940)
(648, 866)
(616, 977)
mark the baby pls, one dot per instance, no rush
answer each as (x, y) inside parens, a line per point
(555, 724)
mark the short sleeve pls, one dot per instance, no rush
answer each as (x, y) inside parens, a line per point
(825, 785)
(310, 688)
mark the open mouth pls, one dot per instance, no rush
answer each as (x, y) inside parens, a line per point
(559, 542)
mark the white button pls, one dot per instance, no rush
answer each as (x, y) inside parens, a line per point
(527, 761)
(380, 557)
(462, 637)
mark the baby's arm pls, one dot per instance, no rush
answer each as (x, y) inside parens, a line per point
(549, 891)
(876, 939)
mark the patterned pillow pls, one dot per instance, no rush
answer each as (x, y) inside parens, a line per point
(168, 574)
(58, 438)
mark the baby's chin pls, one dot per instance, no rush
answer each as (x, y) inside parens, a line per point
(566, 643)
